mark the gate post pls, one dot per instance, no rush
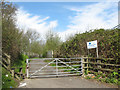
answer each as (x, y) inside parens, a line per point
(27, 69)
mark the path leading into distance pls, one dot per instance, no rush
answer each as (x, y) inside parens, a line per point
(65, 82)
(61, 82)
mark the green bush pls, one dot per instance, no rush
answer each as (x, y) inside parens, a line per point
(44, 55)
(86, 73)
(118, 81)
(90, 72)
(97, 76)
(102, 80)
(100, 73)
(88, 77)
(95, 73)
(8, 82)
(107, 80)
(107, 43)
(112, 80)
(103, 75)
(21, 63)
(115, 74)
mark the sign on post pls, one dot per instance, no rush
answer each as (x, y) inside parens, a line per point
(92, 44)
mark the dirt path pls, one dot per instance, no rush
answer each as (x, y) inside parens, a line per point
(60, 82)
(64, 82)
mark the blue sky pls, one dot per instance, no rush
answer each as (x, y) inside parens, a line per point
(56, 11)
(66, 18)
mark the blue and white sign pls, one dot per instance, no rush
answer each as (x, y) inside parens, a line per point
(92, 44)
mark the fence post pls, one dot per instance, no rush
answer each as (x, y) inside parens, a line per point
(99, 66)
(21, 70)
(87, 64)
(82, 59)
(8, 59)
(81, 66)
(27, 68)
(13, 72)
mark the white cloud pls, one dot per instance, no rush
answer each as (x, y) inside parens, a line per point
(26, 20)
(53, 24)
(94, 16)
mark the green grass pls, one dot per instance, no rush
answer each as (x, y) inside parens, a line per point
(21, 63)
(8, 82)
(71, 71)
(47, 61)
(35, 58)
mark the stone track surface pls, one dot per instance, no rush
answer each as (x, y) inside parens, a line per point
(65, 82)
(61, 82)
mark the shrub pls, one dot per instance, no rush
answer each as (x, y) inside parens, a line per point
(103, 75)
(86, 73)
(107, 80)
(88, 77)
(8, 82)
(20, 63)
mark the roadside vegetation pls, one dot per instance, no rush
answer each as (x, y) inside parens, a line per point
(21, 63)
(108, 43)
(100, 76)
(7, 80)
(20, 44)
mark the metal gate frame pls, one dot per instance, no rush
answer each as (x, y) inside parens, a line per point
(56, 61)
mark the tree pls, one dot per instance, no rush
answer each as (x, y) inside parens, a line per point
(36, 47)
(32, 35)
(31, 38)
(11, 36)
(107, 44)
(52, 40)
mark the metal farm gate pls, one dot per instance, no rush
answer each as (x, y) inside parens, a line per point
(53, 67)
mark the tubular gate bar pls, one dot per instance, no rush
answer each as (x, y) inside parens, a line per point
(52, 67)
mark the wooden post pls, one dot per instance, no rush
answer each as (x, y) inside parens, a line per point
(82, 59)
(8, 59)
(20, 70)
(87, 65)
(88, 52)
(99, 66)
(97, 51)
(13, 72)
(17, 77)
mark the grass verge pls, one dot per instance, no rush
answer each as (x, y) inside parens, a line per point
(7, 80)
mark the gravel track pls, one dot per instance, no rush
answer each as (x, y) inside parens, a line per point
(65, 82)
(39, 64)
(61, 82)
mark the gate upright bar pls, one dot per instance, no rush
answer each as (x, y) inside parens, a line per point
(27, 68)
(56, 67)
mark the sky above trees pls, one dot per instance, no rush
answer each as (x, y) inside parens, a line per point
(66, 18)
